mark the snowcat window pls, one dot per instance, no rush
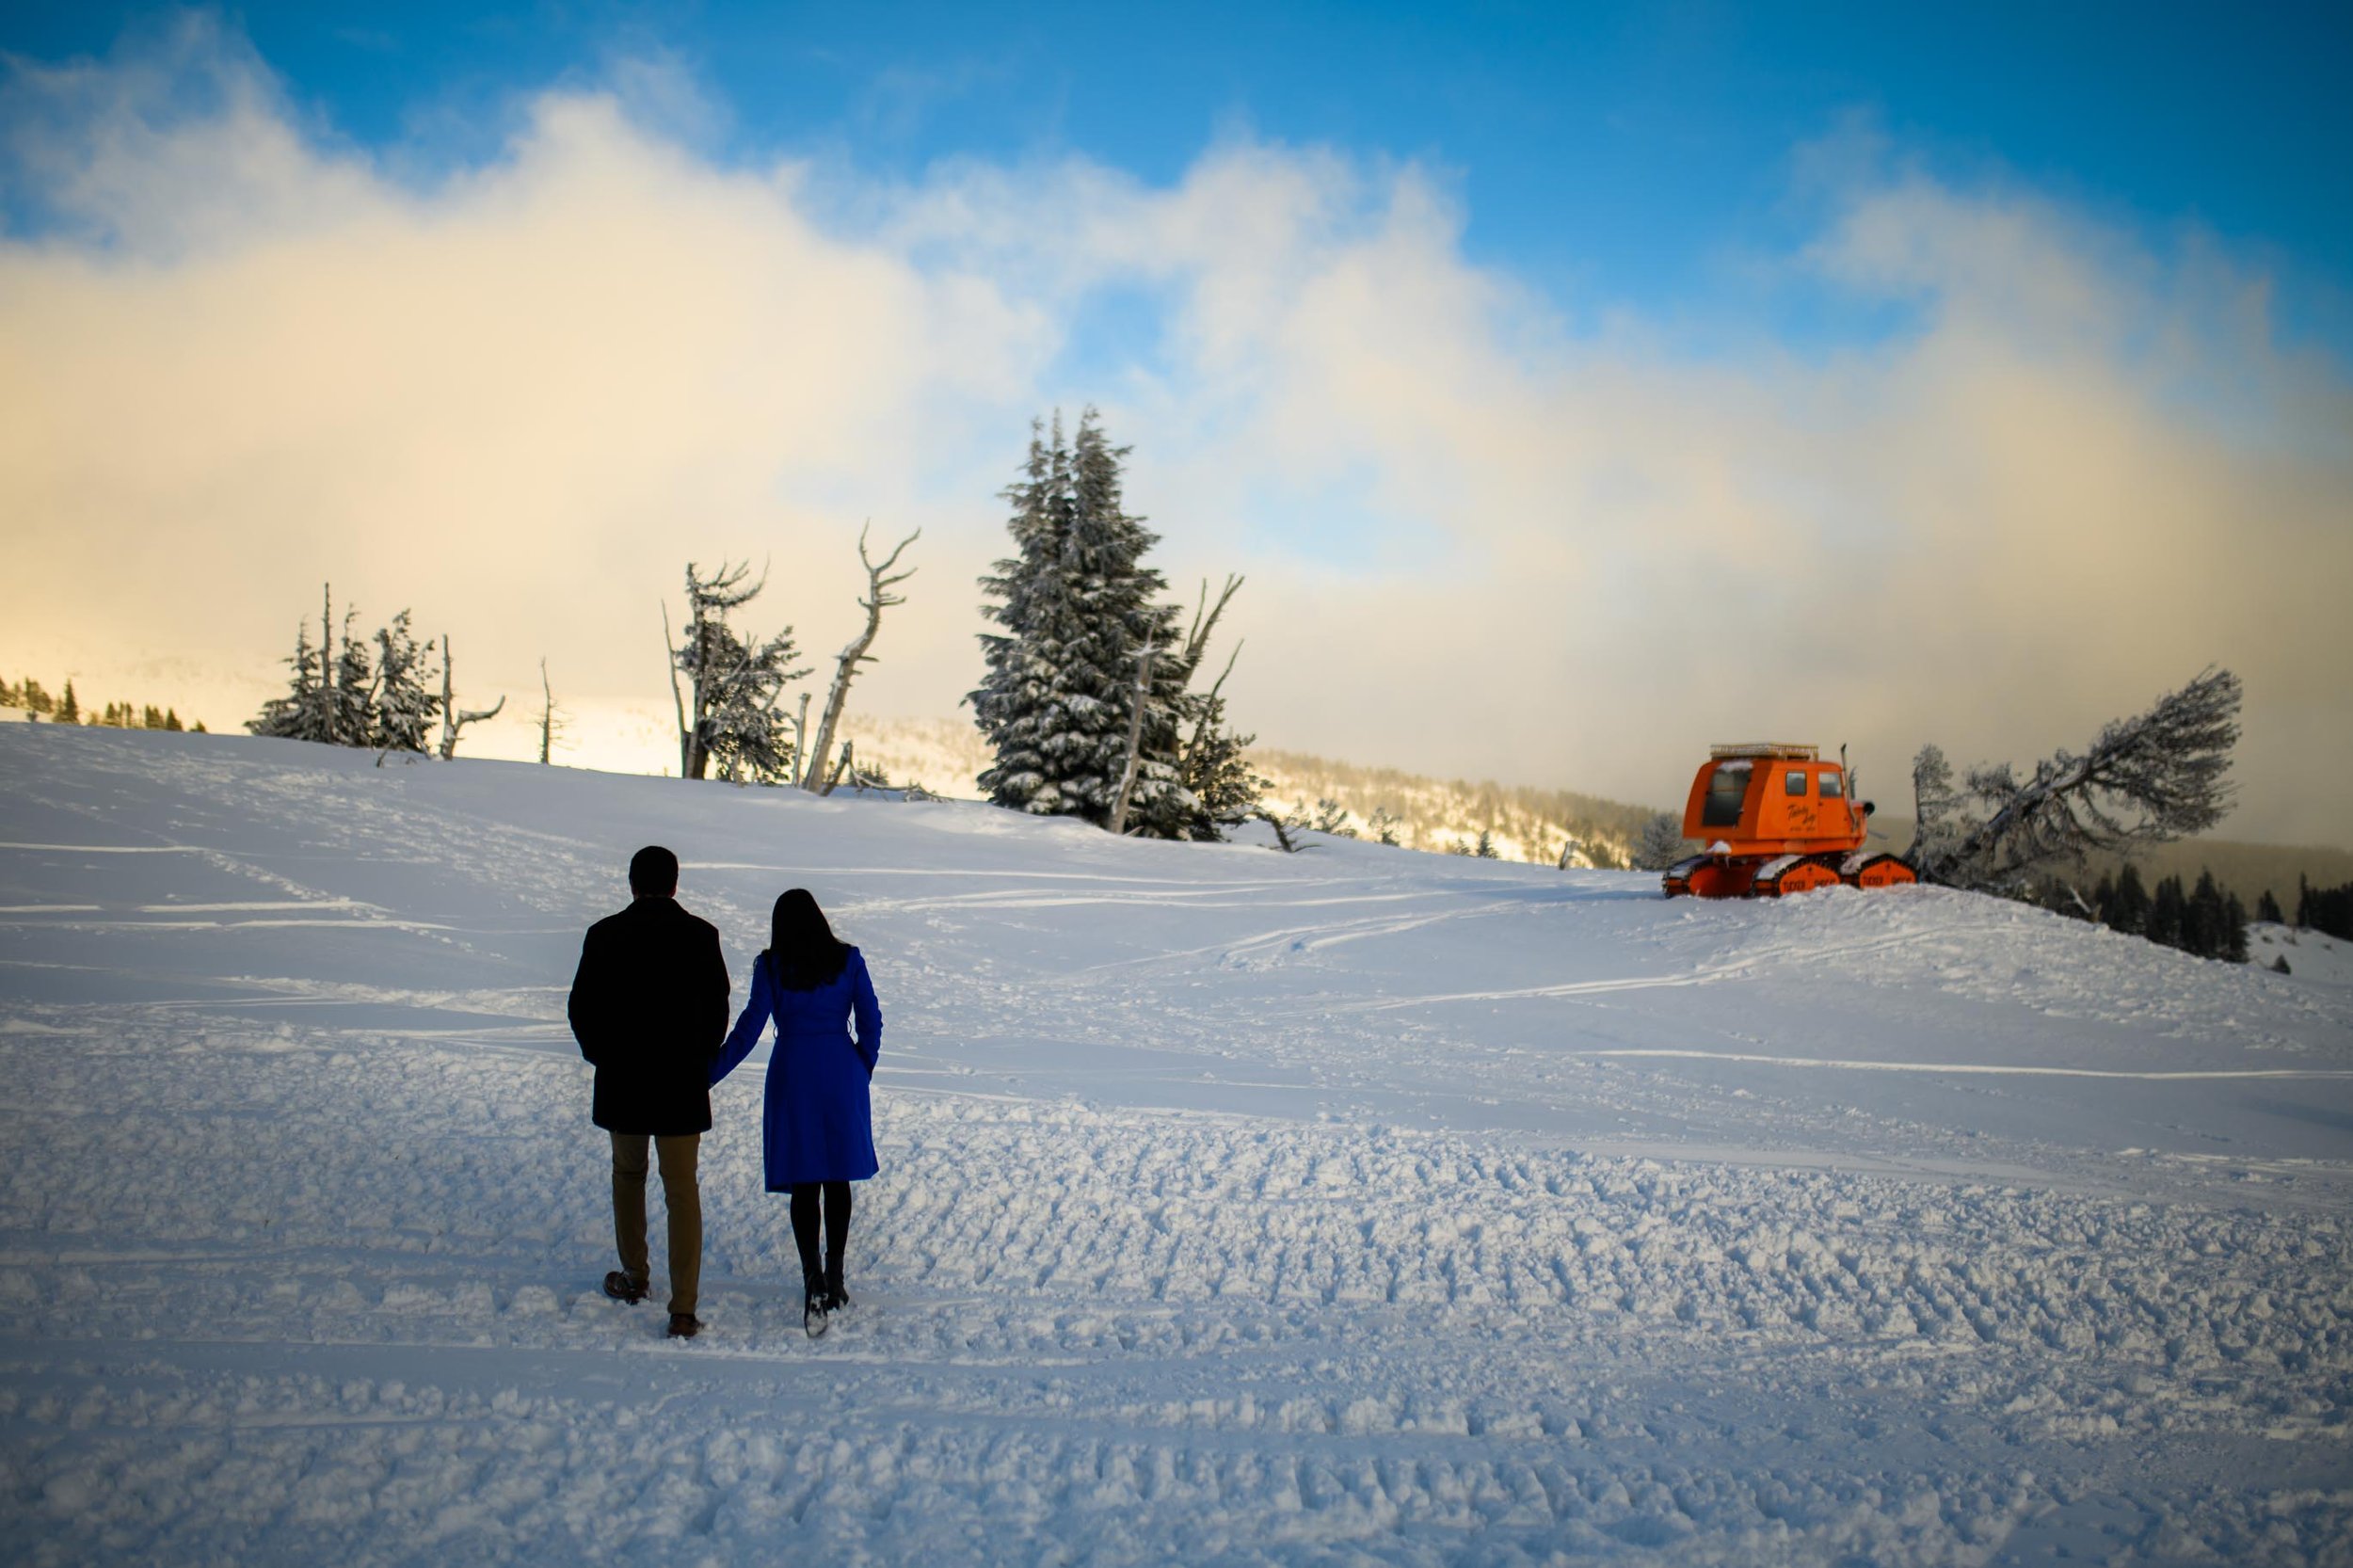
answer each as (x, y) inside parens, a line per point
(1794, 781)
(1833, 786)
(1725, 788)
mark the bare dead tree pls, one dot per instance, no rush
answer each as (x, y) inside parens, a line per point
(879, 582)
(1205, 616)
(1118, 823)
(551, 717)
(800, 766)
(2144, 780)
(685, 736)
(453, 718)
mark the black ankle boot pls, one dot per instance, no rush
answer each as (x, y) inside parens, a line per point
(837, 1294)
(815, 1305)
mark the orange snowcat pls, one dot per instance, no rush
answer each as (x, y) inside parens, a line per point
(1777, 819)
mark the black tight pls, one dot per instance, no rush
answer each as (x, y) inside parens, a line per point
(836, 1204)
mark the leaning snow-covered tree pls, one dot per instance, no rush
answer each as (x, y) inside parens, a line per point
(2143, 781)
(405, 704)
(738, 685)
(1067, 682)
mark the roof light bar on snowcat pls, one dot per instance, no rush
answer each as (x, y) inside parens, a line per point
(1786, 750)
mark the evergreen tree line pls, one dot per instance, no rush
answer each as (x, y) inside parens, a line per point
(2329, 911)
(65, 707)
(2204, 919)
(340, 694)
(1088, 701)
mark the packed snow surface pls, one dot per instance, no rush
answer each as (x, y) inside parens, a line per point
(1356, 1205)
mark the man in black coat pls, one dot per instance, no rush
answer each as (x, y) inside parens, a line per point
(650, 1009)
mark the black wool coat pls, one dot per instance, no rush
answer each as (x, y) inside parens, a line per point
(650, 1009)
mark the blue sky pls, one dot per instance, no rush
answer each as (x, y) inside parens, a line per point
(1608, 155)
(1575, 387)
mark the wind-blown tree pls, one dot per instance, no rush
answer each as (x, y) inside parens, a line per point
(738, 685)
(1080, 611)
(2143, 781)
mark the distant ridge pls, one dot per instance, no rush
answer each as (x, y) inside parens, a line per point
(1526, 823)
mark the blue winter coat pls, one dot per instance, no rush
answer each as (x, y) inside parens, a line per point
(819, 1119)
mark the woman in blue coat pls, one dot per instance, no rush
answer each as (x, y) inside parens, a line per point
(819, 1119)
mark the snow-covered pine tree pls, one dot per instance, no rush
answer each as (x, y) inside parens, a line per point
(1660, 842)
(354, 704)
(303, 712)
(405, 707)
(1080, 608)
(744, 729)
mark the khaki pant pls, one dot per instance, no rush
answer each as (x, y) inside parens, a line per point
(678, 1194)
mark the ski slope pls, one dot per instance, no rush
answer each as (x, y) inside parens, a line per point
(1356, 1205)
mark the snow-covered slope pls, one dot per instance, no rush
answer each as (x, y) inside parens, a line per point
(1353, 1206)
(2313, 956)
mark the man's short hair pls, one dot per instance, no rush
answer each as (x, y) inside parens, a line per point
(653, 869)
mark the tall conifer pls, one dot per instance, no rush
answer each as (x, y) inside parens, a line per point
(1078, 608)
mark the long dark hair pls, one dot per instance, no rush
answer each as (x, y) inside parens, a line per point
(802, 946)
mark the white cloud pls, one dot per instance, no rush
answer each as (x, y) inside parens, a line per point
(1477, 542)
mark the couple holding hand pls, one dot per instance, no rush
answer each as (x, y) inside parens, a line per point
(650, 1009)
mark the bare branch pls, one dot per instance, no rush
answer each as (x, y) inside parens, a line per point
(454, 718)
(1197, 640)
(685, 736)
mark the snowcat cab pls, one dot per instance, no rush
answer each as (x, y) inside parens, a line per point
(1777, 819)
